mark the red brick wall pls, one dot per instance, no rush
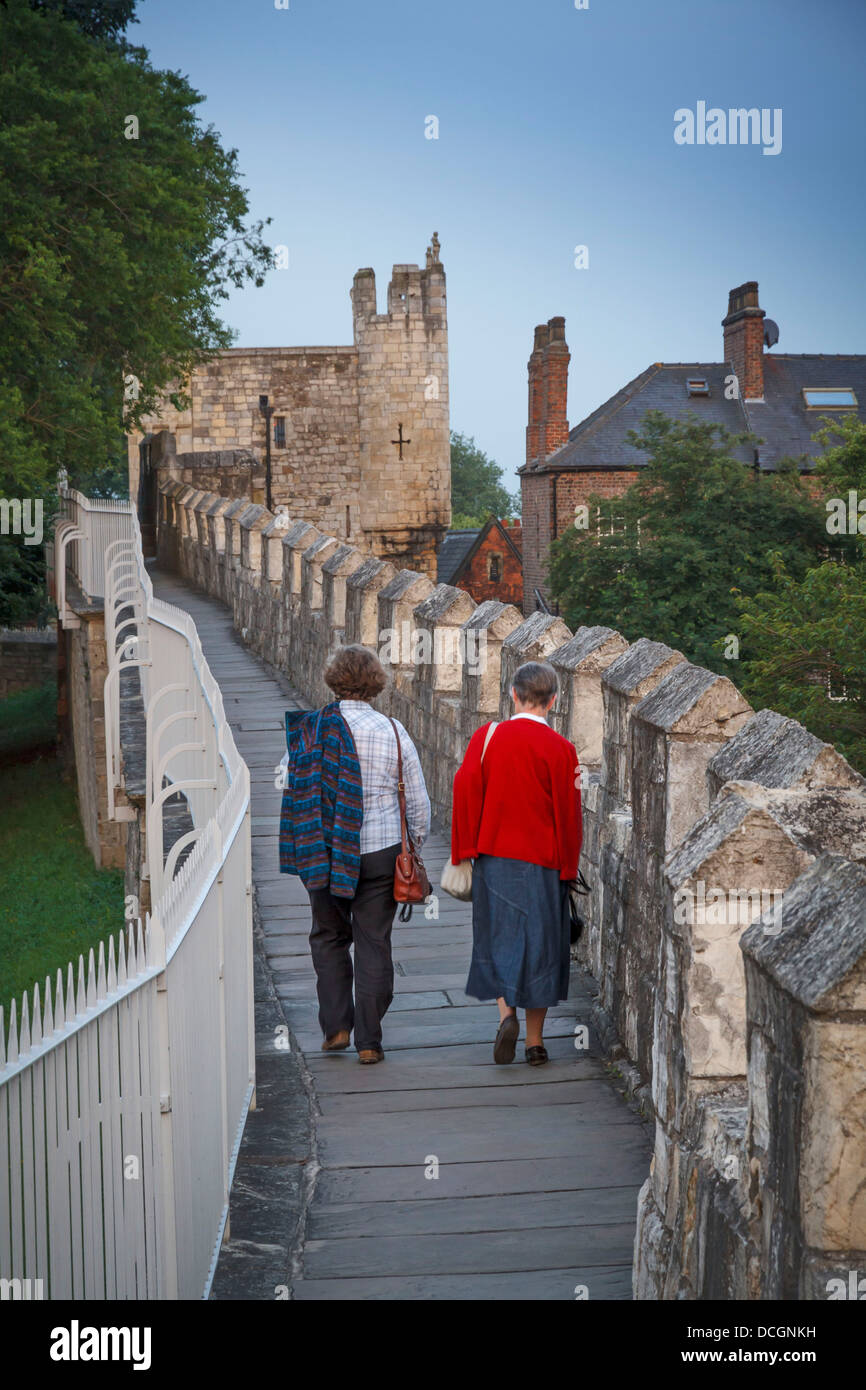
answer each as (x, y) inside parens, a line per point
(476, 579)
(572, 489)
(537, 496)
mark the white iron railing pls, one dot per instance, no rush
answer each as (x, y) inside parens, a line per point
(123, 1096)
(83, 534)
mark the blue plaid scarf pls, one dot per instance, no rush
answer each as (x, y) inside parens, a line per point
(322, 807)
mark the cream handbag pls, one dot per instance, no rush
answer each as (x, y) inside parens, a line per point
(456, 879)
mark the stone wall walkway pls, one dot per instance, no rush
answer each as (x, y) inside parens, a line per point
(537, 1170)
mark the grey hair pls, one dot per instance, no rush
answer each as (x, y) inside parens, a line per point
(534, 682)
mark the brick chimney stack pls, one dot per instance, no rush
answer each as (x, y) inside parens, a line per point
(536, 399)
(744, 340)
(548, 391)
(555, 377)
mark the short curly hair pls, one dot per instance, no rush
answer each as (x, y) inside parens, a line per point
(355, 673)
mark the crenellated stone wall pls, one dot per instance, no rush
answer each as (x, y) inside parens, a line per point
(726, 851)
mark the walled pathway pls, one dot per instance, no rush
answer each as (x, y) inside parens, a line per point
(538, 1168)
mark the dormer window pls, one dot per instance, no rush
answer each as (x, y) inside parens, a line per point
(697, 386)
(829, 398)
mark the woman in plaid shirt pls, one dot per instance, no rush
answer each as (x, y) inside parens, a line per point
(356, 677)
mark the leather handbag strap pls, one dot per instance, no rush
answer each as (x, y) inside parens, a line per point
(406, 842)
(490, 732)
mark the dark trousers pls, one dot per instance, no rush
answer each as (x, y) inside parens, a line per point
(363, 921)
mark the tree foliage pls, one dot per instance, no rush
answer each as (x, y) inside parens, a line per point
(114, 251)
(100, 19)
(696, 531)
(477, 492)
(806, 636)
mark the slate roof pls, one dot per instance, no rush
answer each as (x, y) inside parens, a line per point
(455, 546)
(781, 420)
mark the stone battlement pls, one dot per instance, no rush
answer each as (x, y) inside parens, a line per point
(726, 850)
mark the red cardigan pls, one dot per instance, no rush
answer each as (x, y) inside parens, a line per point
(522, 801)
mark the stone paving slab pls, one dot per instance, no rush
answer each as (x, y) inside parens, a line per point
(589, 1206)
(606, 1282)
(539, 1168)
(449, 1097)
(545, 1131)
(545, 1248)
(451, 1070)
(593, 1162)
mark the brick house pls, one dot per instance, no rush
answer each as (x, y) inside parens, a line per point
(486, 561)
(779, 397)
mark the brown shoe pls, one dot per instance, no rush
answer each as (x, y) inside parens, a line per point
(368, 1055)
(536, 1056)
(337, 1042)
(506, 1039)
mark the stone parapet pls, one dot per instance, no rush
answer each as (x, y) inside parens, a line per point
(726, 926)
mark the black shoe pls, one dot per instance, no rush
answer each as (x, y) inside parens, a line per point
(536, 1056)
(506, 1039)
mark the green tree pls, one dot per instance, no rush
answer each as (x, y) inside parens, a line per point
(124, 226)
(806, 636)
(477, 492)
(698, 528)
(101, 19)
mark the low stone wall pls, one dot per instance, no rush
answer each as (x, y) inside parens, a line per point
(725, 848)
(27, 660)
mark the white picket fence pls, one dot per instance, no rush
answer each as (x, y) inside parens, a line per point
(123, 1094)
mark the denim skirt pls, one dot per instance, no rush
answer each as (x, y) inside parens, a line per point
(521, 938)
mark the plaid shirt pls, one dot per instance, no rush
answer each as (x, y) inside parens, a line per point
(376, 747)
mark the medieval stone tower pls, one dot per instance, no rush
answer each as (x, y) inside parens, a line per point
(405, 470)
(357, 438)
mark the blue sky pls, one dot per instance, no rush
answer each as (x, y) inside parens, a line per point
(555, 130)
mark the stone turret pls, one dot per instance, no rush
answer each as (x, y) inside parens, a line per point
(405, 453)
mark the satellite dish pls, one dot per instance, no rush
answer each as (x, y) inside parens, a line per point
(771, 333)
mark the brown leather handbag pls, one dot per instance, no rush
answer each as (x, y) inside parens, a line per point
(411, 884)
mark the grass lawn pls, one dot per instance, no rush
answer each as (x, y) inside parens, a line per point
(54, 903)
(28, 719)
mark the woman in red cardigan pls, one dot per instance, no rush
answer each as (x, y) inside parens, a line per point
(517, 815)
